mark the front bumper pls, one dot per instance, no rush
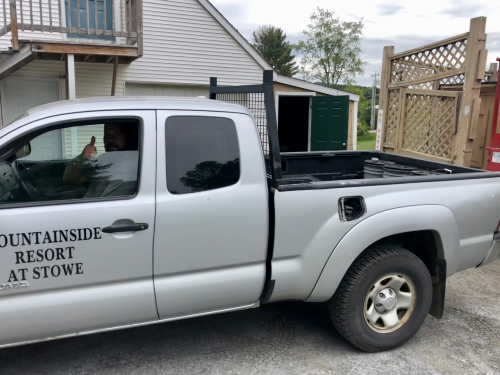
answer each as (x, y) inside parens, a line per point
(493, 252)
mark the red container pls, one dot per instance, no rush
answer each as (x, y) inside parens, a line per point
(494, 149)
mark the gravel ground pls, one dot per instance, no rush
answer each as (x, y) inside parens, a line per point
(285, 338)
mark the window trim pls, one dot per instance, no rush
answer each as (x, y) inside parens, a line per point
(166, 157)
(61, 125)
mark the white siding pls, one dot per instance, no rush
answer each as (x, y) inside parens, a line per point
(91, 79)
(184, 44)
(74, 147)
(141, 89)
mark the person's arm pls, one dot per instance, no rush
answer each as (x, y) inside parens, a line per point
(73, 173)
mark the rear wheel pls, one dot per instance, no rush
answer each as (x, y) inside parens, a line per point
(383, 299)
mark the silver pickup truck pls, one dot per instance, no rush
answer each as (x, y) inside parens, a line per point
(118, 213)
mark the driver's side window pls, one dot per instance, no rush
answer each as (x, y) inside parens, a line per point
(76, 161)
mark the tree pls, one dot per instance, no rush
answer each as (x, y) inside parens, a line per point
(210, 175)
(331, 52)
(270, 42)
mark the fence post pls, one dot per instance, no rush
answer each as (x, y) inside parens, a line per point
(385, 79)
(494, 72)
(13, 25)
(476, 43)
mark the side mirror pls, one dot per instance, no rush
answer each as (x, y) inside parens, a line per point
(23, 151)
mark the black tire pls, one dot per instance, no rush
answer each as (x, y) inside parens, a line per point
(348, 303)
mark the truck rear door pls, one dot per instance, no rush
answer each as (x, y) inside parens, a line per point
(77, 255)
(212, 216)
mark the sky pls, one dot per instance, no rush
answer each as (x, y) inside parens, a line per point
(402, 24)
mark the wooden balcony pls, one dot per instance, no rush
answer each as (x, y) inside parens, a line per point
(94, 31)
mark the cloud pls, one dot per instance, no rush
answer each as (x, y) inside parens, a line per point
(373, 50)
(232, 11)
(493, 44)
(390, 9)
(366, 79)
(294, 37)
(373, 47)
(466, 9)
(235, 14)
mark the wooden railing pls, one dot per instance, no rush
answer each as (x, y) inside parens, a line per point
(98, 19)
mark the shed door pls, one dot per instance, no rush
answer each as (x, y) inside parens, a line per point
(329, 123)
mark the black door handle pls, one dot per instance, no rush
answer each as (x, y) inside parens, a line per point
(126, 228)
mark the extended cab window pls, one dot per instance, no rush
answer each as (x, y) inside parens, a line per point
(202, 154)
(77, 161)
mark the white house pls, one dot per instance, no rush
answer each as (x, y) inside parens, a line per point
(139, 48)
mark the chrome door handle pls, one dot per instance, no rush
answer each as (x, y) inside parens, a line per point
(126, 228)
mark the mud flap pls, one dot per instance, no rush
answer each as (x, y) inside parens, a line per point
(438, 290)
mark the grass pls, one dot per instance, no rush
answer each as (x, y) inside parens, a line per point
(366, 141)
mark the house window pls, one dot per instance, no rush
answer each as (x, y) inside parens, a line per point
(78, 9)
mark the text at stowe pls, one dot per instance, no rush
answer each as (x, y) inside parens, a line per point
(49, 253)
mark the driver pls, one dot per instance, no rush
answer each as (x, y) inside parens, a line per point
(117, 137)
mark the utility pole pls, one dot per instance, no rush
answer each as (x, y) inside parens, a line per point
(374, 100)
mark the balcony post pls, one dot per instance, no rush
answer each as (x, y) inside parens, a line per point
(138, 25)
(13, 25)
(70, 77)
(115, 72)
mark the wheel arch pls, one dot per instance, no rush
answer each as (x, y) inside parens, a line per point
(436, 223)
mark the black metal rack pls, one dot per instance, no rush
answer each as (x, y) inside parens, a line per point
(259, 99)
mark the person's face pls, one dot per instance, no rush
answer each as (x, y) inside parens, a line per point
(114, 137)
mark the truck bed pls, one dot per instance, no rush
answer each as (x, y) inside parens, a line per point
(329, 169)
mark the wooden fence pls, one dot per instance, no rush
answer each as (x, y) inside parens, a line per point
(418, 117)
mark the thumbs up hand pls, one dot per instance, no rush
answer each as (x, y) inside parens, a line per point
(90, 151)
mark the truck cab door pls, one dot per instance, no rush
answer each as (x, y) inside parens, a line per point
(212, 215)
(76, 254)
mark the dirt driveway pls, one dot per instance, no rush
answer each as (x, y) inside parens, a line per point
(286, 338)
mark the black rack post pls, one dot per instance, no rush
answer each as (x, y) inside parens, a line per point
(213, 83)
(272, 124)
(259, 99)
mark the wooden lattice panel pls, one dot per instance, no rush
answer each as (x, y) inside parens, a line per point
(428, 63)
(455, 80)
(429, 125)
(422, 86)
(393, 111)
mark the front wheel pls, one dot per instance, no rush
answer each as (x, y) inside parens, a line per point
(383, 299)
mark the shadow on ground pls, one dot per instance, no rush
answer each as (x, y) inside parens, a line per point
(244, 340)
(283, 339)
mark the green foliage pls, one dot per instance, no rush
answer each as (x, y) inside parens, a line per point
(366, 141)
(363, 127)
(331, 52)
(364, 109)
(367, 90)
(270, 42)
(210, 175)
